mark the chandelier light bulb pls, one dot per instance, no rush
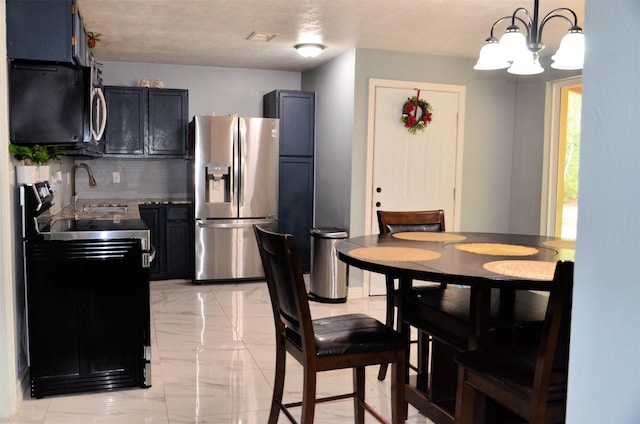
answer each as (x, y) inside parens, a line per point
(570, 54)
(513, 43)
(527, 63)
(491, 56)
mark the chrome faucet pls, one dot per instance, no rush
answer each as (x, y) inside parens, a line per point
(92, 181)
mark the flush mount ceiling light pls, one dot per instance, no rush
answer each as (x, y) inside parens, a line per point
(521, 54)
(309, 49)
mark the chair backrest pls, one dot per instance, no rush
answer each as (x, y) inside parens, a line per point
(285, 281)
(395, 222)
(553, 351)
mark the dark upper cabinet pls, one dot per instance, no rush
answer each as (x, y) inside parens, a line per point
(51, 30)
(296, 111)
(126, 128)
(168, 120)
(148, 122)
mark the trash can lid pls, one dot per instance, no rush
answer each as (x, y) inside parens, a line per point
(329, 232)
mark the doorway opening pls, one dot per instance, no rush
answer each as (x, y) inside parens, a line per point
(568, 162)
(563, 159)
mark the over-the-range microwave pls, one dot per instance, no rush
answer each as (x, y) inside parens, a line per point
(54, 104)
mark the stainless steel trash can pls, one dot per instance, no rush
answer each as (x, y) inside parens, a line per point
(328, 276)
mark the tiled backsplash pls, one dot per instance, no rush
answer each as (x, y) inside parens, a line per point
(139, 179)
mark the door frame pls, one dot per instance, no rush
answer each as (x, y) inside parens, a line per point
(453, 224)
(548, 199)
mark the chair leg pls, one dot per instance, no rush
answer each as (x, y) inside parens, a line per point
(308, 394)
(358, 389)
(399, 406)
(278, 384)
(390, 286)
(424, 340)
(471, 405)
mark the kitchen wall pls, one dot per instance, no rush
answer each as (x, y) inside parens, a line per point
(223, 91)
(334, 87)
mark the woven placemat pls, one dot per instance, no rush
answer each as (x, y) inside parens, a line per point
(497, 249)
(531, 270)
(428, 236)
(393, 254)
(561, 244)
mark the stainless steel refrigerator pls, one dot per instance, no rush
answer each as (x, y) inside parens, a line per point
(235, 187)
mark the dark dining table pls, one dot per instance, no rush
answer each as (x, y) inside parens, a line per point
(480, 261)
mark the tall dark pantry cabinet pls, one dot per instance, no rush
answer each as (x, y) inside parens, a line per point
(296, 111)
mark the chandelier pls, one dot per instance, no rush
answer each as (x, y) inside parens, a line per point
(520, 53)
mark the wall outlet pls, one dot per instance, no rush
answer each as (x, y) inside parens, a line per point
(116, 178)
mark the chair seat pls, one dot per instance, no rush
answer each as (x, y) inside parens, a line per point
(445, 314)
(352, 334)
(514, 371)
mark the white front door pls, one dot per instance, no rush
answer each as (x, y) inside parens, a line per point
(418, 171)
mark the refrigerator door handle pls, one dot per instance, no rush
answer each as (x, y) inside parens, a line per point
(232, 224)
(240, 138)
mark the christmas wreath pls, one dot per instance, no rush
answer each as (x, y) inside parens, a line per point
(416, 114)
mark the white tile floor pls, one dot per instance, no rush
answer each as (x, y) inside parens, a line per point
(213, 362)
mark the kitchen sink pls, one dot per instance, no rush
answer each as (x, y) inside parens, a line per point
(105, 208)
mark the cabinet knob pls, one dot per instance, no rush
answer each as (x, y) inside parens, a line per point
(378, 204)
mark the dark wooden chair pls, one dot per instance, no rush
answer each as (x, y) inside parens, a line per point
(390, 222)
(531, 381)
(337, 342)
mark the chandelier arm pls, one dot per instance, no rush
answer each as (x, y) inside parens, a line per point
(561, 9)
(497, 22)
(526, 12)
(526, 25)
(513, 18)
(547, 19)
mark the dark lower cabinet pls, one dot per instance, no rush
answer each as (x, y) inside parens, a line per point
(171, 227)
(296, 203)
(88, 316)
(151, 216)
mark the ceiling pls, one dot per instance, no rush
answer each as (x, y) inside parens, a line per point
(214, 32)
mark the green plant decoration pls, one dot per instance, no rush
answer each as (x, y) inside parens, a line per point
(36, 154)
